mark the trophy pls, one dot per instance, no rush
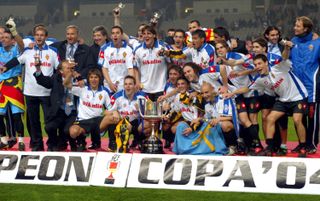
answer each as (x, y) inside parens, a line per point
(155, 18)
(151, 112)
(117, 9)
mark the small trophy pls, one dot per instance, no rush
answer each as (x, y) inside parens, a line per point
(155, 18)
(37, 61)
(117, 9)
(151, 112)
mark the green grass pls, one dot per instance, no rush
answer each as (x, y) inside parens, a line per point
(10, 192)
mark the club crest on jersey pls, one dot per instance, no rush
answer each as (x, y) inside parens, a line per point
(100, 97)
(272, 75)
(47, 57)
(124, 55)
(310, 47)
(111, 55)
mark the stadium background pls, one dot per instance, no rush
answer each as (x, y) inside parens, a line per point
(245, 19)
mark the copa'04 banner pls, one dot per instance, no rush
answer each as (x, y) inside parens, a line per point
(54, 168)
(214, 173)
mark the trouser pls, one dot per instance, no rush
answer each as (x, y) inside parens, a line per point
(33, 104)
(60, 122)
(10, 123)
(312, 123)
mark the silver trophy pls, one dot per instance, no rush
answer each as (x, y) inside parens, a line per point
(151, 112)
(155, 18)
(117, 9)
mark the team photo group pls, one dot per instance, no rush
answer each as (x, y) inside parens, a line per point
(196, 91)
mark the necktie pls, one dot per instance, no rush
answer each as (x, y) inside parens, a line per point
(70, 55)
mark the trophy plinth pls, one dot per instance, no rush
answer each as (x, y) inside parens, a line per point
(151, 112)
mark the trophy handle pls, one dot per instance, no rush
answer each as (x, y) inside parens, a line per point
(141, 106)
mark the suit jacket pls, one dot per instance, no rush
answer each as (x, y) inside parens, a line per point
(57, 92)
(82, 56)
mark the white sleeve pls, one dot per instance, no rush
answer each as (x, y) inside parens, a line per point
(107, 103)
(129, 58)
(136, 60)
(22, 58)
(106, 60)
(257, 85)
(77, 91)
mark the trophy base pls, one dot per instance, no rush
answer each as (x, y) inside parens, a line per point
(152, 145)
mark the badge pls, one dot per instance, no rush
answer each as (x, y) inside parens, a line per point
(47, 57)
(310, 47)
(124, 55)
(100, 97)
(272, 75)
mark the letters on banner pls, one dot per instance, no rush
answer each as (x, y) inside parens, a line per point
(227, 173)
(54, 168)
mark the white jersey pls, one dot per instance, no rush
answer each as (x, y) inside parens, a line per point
(49, 62)
(240, 81)
(117, 61)
(204, 56)
(282, 81)
(134, 42)
(91, 103)
(167, 89)
(219, 108)
(188, 112)
(152, 67)
(126, 107)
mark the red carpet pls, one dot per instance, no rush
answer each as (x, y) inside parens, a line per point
(104, 144)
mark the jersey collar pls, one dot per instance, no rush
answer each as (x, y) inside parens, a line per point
(155, 45)
(44, 47)
(202, 46)
(99, 88)
(124, 44)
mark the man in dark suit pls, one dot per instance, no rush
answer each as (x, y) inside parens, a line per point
(62, 111)
(100, 38)
(71, 49)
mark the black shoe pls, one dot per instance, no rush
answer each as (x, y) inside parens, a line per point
(21, 146)
(112, 147)
(81, 148)
(53, 148)
(311, 149)
(296, 149)
(241, 148)
(302, 152)
(12, 142)
(265, 152)
(94, 146)
(167, 144)
(3, 146)
(73, 147)
(282, 151)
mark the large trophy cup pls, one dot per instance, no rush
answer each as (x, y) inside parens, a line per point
(151, 112)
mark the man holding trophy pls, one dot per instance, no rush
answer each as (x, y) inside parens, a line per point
(44, 57)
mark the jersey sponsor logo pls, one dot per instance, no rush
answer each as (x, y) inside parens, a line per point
(153, 61)
(128, 113)
(117, 61)
(277, 84)
(88, 104)
(43, 64)
(185, 109)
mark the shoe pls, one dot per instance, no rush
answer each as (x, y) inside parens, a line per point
(73, 147)
(232, 150)
(134, 144)
(265, 152)
(94, 147)
(81, 148)
(12, 142)
(255, 151)
(112, 146)
(302, 153)
(296, 149)
(3, 146)
(167, 144)
(21, 146)
(241, 147)
(282, 151)
(53, 148)
(311, 149)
